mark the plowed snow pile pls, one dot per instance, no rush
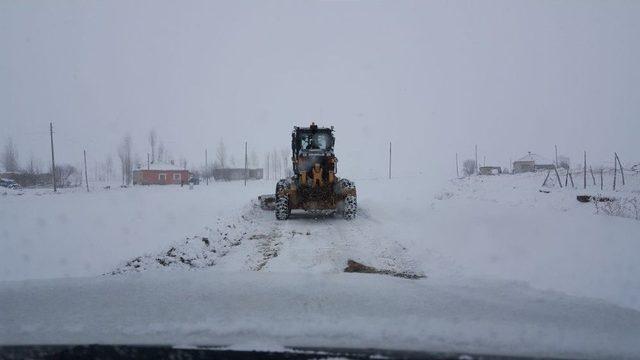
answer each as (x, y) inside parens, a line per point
(253, 240)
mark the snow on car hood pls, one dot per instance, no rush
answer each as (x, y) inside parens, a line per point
(210, 307)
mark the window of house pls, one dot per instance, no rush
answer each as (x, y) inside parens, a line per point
(162, 177)
(177, 176)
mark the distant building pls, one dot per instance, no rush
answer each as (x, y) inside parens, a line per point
(532, 162)
(228, 174)
(160, 173)
(564, 162)
(490, 170)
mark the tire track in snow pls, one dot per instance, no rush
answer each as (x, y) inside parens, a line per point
(325, 243)
(309, 244)
(254, 240)
(371, 244)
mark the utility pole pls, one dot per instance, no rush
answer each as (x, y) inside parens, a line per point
(86, 178)
(584, 175)
(53, 160)
(206, 166)
(476, 167)
(148, 162)
(389, 159)
(457, 171)
(556, 146)
(558, 176)
(245, 163)
(621, 169)
(268, 166)
(484, 160)
(615, 170)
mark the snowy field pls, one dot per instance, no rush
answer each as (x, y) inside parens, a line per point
(543, 255)
(482, 227)
(75, 233)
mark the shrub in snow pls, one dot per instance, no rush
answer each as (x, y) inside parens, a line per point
(469, 167)
(628, 207)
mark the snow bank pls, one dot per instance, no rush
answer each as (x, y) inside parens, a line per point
(75, 233)
(504, 227)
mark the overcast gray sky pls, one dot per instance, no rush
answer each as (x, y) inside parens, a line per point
(435, 77)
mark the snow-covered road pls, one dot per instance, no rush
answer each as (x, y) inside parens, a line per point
(483, 227)
(486, 228)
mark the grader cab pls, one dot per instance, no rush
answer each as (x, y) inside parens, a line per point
(314, 185)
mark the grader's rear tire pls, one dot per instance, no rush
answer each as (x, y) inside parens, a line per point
(283, 210)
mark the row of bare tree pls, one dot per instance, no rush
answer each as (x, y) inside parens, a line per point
(275, 165)
(34, 173)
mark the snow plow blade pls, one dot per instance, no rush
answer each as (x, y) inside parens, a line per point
(267, 202)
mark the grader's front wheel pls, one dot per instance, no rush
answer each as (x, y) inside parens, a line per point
(349, 206)
(283, 210)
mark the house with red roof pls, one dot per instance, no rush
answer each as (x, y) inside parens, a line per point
(160, 173)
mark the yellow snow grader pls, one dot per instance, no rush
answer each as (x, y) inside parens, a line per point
(314, 185)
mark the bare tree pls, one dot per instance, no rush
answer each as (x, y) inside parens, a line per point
(469, 167)
(108, 168)
(137, 162)
(33, 166)
(284, 154)
(10, 157)
(96, 171)
(124, 154)
(161, 152)
(31, 174)
(67, 175)
(276, 163)
(254, 162)
(153, 139)
(221, 155)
